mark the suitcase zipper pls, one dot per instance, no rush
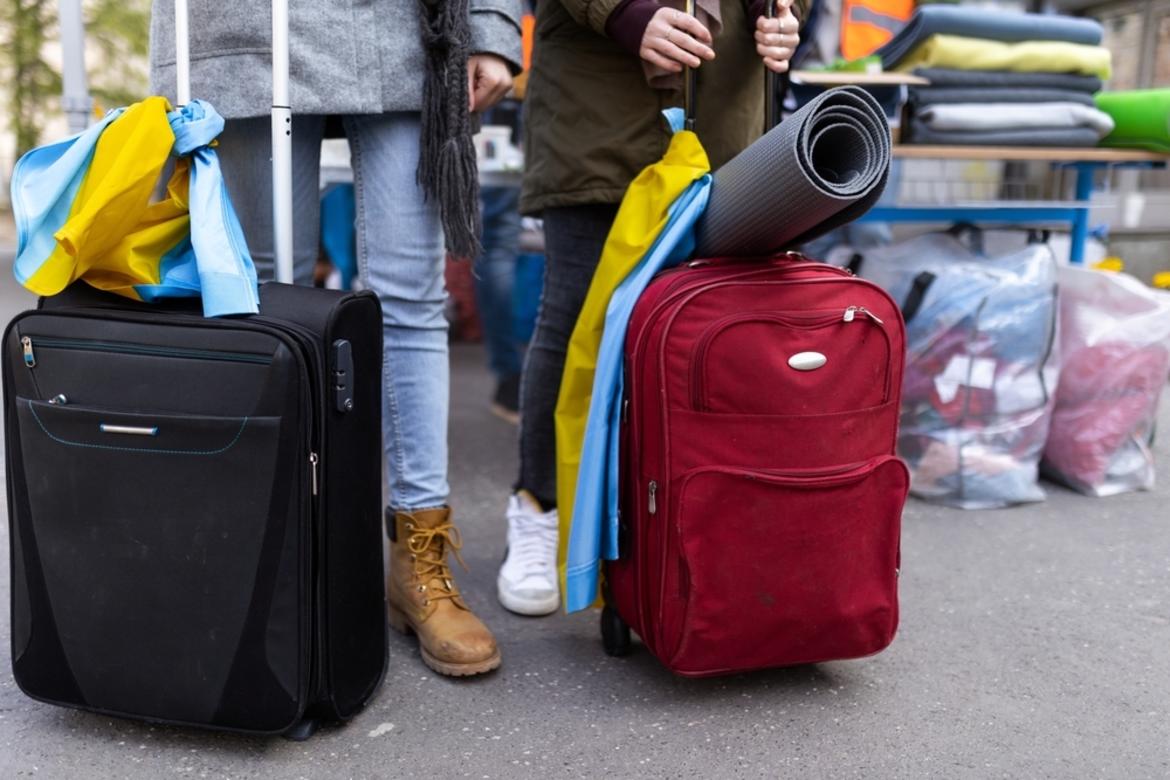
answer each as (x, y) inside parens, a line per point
(316, 362)
(125, 348)
(679, 291)
(852, 312)
(653, 505)
(816, 477)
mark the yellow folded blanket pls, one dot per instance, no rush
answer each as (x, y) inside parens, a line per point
(954, 51)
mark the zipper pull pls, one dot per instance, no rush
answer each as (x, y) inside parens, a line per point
(30, 360)
(653, 497)
(313, 460)
(852, 312)
(626, 410)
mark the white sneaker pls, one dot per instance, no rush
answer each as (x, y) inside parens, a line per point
(527, 584)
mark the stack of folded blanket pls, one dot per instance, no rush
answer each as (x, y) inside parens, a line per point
(1002, 79)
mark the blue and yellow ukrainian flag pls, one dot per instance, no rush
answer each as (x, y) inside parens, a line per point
(654, 229)
(86, 209)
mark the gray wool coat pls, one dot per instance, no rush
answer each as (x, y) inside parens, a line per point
(346, 56)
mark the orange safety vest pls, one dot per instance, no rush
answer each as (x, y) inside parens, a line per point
(527, 37)
(867, 25)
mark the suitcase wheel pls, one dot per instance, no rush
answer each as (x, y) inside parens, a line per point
(615, 634)
(305, 728)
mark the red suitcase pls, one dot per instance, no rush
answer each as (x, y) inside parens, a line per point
(761, 497)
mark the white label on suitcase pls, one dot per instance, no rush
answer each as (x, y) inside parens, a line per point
(807, 361)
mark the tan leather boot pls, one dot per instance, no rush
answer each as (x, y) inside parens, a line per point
(423, 598)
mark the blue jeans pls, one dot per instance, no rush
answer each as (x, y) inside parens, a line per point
(495, 272)
(400, 257)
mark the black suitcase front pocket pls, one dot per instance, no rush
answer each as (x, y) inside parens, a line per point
(117, 372)
(165, 555)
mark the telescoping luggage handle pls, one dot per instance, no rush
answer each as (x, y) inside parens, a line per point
(281, 125)
(769, 81)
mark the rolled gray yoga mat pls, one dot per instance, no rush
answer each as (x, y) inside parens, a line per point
(821, 168)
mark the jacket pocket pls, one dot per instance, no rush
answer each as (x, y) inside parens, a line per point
(784, 568)
(801, 362)
(164, 540)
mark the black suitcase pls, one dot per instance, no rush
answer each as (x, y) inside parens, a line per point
(195, 508)
(195, 505)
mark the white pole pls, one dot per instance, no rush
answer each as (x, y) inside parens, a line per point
(282, 206)
(182, 53)
(75, 100)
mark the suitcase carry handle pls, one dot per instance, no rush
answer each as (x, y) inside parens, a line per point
(689, 81)
(282, 210)
(790, 259)
(769, 81)
(769, 78)
(182, 54)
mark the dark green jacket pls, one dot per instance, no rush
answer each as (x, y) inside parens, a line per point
(591, 121)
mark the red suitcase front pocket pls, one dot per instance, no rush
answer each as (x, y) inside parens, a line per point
(786, 363)
(785, 568)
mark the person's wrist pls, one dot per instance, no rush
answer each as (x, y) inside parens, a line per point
(627, 23)
(492, 55)
(498, 34)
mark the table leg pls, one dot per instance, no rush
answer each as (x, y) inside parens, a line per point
(1080, 221)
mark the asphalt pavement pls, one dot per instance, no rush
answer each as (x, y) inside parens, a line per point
(1035, 642)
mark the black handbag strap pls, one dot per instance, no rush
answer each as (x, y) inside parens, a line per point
(917, 295)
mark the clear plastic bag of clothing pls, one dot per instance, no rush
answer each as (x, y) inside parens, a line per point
(1115, 342)
(981, 365)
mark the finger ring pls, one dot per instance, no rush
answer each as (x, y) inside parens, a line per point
(675, 17)
(668, 32)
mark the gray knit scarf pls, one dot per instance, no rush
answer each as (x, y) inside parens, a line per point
(447, 169)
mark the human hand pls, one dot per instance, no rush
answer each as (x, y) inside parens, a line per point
(488, 81)
(777, 38)
(674, 40)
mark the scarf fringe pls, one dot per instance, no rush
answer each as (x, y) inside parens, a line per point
(447, 169)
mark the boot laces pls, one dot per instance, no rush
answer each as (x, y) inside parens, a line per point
(428, 547)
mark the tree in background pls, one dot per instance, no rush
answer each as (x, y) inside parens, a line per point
(32, 83)
(117, 37)
(118, 32)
